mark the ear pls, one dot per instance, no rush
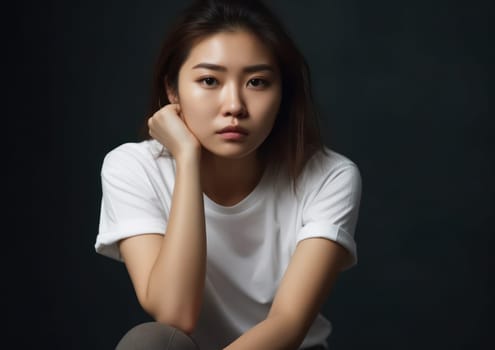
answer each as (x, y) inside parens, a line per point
(171, 93)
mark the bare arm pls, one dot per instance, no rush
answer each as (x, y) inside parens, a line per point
(310, 276)
(168, 272)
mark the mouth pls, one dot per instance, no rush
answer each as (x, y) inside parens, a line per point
(233, 133)
(233, 130)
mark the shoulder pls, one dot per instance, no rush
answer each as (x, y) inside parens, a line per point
(143, 154)
(138, 164)
(327, 166)
(138, 151)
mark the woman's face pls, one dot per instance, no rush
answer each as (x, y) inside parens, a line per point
(229, 90)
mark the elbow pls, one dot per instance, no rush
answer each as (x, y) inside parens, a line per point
(182, 318)
(177, 312)
(183, 323)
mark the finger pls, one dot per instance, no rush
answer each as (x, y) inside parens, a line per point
(175, 107)
(168, 107)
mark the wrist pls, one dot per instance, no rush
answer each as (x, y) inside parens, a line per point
(189, 156)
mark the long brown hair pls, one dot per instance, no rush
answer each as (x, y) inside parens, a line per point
(295, 136)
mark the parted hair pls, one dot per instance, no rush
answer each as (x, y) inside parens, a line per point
(295, 136)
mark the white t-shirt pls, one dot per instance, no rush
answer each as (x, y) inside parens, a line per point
(249, 245)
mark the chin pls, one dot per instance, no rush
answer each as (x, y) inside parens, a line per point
(232, 153)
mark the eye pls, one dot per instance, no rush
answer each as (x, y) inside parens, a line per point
(258, 83)
(208, 82)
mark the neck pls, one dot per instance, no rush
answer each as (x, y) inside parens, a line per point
(228, 181)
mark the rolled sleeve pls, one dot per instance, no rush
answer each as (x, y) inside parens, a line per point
(129, 205)
(332, 210)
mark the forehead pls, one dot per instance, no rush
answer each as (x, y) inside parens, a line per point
(231, 49)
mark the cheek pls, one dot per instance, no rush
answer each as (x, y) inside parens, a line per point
(267, 108)
(275, 105)
(195, 106)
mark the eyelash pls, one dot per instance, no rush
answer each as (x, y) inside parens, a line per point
(203, 81)
(264, 83)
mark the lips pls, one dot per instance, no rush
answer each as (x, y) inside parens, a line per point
(233, 129)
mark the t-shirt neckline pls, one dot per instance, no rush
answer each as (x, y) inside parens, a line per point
(247, 202)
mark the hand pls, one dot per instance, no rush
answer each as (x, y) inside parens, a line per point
(168, 127)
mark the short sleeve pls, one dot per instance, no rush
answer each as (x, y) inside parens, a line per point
(129, 204)
(331, 210)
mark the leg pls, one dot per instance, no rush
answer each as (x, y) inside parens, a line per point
(155, 336)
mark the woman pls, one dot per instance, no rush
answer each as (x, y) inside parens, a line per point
(232, 218)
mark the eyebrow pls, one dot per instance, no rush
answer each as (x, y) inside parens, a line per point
(248, 69)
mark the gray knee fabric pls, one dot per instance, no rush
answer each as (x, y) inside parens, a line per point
(155, 336)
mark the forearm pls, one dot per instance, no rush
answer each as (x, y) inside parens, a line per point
(275, 332)
(176, 282)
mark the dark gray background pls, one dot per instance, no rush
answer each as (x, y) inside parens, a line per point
(406, 91)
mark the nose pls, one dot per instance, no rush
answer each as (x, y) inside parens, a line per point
(233, 102)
